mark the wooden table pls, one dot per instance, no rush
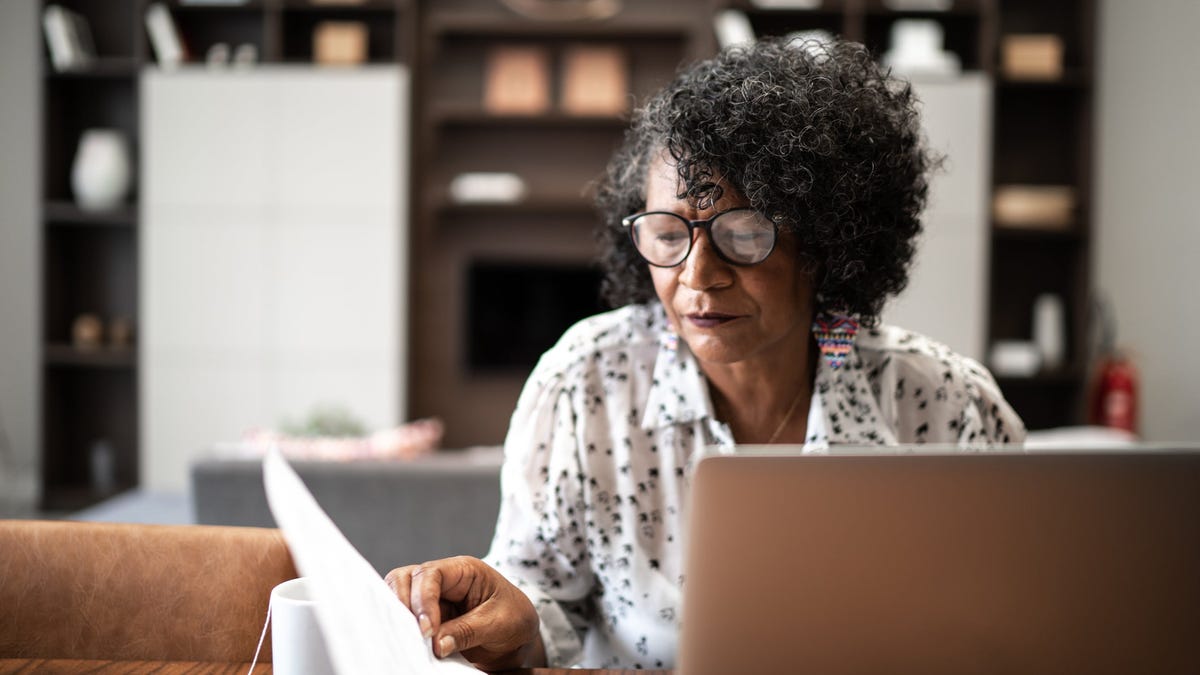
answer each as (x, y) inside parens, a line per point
(78, 666)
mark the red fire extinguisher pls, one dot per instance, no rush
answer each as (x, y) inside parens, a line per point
(1114, 393)
(1115, 396)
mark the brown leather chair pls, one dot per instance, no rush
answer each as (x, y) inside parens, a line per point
(137, 592)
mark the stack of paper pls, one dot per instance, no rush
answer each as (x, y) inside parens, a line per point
(367, 629)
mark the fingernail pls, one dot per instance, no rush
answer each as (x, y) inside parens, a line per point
(446, 645)
(426, 628)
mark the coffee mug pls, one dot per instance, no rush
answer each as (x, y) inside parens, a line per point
(297, 645)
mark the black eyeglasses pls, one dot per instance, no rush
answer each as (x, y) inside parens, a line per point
(740, 236)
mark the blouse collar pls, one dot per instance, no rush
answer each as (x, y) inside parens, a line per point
(842, 398)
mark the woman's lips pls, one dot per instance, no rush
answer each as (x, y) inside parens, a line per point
(709, 319)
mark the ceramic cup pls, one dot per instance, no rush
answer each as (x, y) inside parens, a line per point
(297, 645)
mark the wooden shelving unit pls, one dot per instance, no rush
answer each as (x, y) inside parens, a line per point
(90, 259)
(1043, 136)
(455, 374)
(89, 262)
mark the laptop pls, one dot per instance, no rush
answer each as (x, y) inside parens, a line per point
(1073, 562)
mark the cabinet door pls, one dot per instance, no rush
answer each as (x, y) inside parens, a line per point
(271, 254)
(947, 291)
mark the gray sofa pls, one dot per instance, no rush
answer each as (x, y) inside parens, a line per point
(394, 512)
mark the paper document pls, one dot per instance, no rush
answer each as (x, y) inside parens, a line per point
(366, 628)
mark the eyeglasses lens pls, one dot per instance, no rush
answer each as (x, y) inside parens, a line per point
(743, 236)
(661, 238)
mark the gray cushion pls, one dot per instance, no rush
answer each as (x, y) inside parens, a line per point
(395, 513)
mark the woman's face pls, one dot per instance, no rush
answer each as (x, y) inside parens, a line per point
(728, 313)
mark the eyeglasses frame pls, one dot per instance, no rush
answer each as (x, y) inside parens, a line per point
(704, 224)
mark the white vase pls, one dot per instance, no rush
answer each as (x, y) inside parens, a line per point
(102, 172)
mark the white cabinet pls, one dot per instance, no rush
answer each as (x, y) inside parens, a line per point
(273, 253)
(946, 297)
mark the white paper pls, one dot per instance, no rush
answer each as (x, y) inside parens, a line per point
(367, 629)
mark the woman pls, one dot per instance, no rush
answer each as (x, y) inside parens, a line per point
(762, 209)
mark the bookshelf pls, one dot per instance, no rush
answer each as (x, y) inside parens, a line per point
(90, 396)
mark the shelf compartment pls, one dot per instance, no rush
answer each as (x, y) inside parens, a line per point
(517, 309)
(73, 105)
(202, 26)
(1023, 270)
(65, 355)
(67, 213)
(114, 25)
(779, 21)
(456, 74)
(961, 34)
(103, 68)
(380, 22)
(1068, 19)
(1041, 132)
(87, 270)
(535, 154)
(81, 408)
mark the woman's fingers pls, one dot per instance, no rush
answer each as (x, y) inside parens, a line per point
(485, 617)
(400, 580)
(425, 596)
(457, 584)
(498, 627)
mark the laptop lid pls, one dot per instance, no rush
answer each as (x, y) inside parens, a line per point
(953, 563)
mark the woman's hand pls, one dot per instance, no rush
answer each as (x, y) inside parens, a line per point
(467, 606)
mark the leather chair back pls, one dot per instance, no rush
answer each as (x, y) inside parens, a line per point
(137, 592)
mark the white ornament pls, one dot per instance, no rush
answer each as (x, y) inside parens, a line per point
(102, 172)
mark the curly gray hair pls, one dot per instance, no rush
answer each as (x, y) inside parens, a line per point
(819, 138)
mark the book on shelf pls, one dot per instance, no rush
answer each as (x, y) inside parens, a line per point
(1034, 207)
(68, 38)
(517, 80)
(169, 49)
(340, 43)
(595, 80)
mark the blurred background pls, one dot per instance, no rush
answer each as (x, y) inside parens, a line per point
(220, 219)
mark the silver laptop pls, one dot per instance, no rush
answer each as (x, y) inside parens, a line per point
(1073, 562)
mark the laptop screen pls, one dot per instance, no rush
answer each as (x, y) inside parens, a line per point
(1076, 561)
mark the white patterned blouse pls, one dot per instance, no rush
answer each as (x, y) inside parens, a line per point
(601, 447)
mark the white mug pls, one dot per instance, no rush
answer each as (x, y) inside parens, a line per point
(297, 645)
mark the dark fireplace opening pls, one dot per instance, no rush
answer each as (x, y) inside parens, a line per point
(516, 311)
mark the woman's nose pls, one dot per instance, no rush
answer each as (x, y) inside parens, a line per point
(703, 268)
